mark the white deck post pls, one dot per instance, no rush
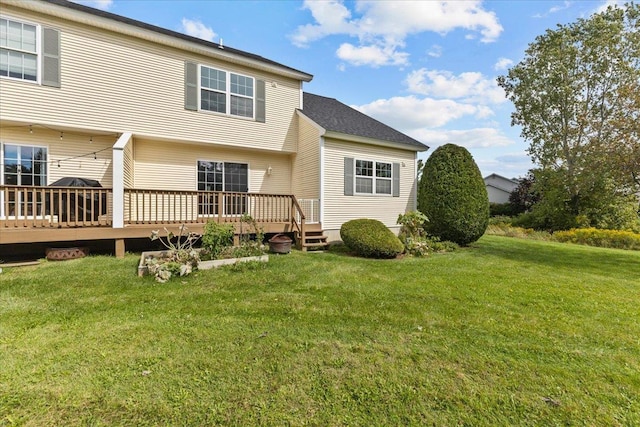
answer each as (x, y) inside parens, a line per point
(118, 179)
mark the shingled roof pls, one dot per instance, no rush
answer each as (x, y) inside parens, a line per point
(334, 116)
(154, 28)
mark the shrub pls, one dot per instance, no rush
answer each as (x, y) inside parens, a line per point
(216, 238)
(524, 197)
(501, 209)
(412, 225)
(415, 239)
(251, 238)
(453, 196)
(370, 238)
(181, 258)
(500, 220)
(506, 229)
(599, 237)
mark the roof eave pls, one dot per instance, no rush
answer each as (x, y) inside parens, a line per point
(374, 141)
(84, 15)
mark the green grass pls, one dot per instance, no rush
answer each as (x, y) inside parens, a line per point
(509, 332)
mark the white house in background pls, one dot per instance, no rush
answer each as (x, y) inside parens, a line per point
(499, 188)
(176, 130)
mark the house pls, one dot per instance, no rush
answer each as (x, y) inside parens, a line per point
(175, 130)
(499, 188)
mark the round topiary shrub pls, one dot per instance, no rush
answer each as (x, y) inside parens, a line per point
(452, 194)
(370, 238)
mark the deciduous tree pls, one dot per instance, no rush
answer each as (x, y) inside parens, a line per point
(576, 101)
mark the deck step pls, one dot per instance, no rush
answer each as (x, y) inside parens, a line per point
(315, 239)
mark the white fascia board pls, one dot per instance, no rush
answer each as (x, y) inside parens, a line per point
(372, 141)
(152, 36)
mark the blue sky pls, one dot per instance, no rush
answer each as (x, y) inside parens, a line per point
(427, 68)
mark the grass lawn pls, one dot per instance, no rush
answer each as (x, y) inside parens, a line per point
(508, 332)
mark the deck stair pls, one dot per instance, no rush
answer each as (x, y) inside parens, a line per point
(315, 239)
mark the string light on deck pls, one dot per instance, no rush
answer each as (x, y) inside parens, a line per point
(31, 129)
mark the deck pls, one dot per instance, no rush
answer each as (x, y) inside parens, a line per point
(57, 214)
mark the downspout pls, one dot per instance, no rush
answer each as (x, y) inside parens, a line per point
(415, 182)
(321, 201)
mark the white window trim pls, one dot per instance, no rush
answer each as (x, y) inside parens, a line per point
(38, 52)
(373, 178)
(227, 93)
(19, 144)
(223, 182)
(224, 161)
(22, 144)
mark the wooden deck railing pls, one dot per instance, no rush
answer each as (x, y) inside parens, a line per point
(55, 207)
(178, 207)
(59, 207)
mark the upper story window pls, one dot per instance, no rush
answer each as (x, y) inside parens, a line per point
(226, 92)
(18, 50)
(373, 177)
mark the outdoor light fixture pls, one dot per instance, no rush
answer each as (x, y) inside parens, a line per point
(269, 170)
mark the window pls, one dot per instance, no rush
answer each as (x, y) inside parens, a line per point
(223, 176)
(373, 177)
(226, 92)
(18, 50)
(24, 165)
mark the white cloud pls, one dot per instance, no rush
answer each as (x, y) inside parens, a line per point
(470, 138)
(469, 87)
(98, 4)
(435, 51)
(511, 165)
(605, 4)
(409, 113)
(553, 9)
(371, 55)
(196, 28)
(384, 25)
(503, 64)
(332, 17)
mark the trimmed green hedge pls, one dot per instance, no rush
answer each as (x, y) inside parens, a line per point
(599, 237)
(452, 194)
(370, 238)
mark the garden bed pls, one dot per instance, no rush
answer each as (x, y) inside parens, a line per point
(202, 265)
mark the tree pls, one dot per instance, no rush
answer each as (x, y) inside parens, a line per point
(523, 197)
(576, 99)
(452, 194)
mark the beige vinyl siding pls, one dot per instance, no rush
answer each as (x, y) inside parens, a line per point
(306, 165)
(173, 166)
(120, 83)
(128, 172)
(71, 145)
(339, 208)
